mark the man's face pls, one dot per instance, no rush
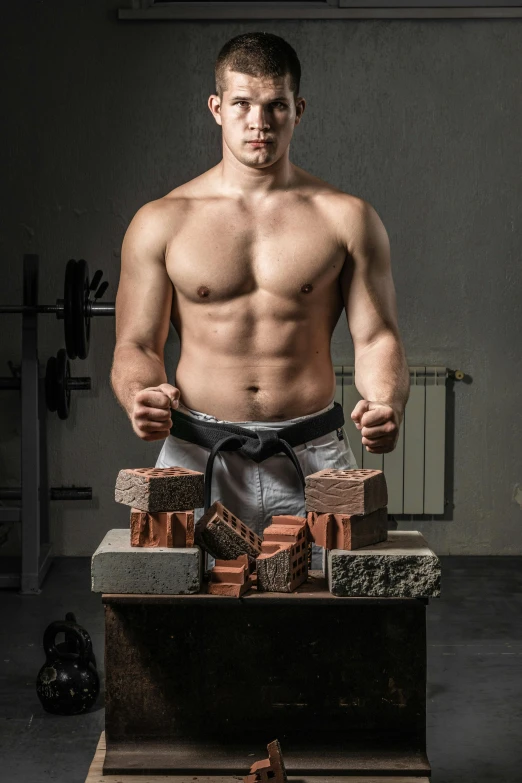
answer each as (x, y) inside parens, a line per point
(257, 108)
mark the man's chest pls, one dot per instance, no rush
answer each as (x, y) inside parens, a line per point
(219, 254)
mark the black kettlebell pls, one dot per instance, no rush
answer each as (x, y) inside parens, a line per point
(67, 683)
(71, 643)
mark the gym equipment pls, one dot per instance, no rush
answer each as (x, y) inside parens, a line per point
(58, 384)
(28, 571)
(76, 308)
(67, 683)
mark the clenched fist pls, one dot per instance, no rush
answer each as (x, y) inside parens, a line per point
(379, 425)
(150, 416)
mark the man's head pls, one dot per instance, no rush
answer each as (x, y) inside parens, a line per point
(257, 88)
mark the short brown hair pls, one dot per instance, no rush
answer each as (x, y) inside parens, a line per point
(258, 54)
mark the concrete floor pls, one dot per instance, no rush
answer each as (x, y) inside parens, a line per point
(474, 675)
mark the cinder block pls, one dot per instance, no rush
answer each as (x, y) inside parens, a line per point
(118, 567)
(160, 489)
(224, 536)
(230, 577)
(162, 528)
(348, 531)
(270, 770)
(345, 491)
(283, 563)
(403, 567)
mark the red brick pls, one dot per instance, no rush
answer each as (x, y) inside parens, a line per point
(345, 491)
(162, 528)
(224, 536)
(230, 577)
(270, 770)
(348, 531)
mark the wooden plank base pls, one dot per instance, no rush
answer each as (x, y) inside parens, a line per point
(95, 775)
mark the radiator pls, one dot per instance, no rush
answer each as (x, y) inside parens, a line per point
(414, 470)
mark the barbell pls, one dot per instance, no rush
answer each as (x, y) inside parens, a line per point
(76, 308)
(58, 384)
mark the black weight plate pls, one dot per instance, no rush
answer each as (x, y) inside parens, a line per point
(63, 393)
(82, 321)
(68, 308)
(50, 384)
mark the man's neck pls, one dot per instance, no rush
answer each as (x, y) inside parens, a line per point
(237, 179)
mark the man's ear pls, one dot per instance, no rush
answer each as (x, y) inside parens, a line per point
(299, 109)
(214, 104)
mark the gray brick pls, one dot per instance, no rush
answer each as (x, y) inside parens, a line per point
(403, 566)
(118, 567)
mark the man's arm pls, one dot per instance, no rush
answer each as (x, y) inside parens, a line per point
(143, 305)
(381, 370)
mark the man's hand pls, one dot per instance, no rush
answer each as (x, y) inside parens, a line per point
(150, 415)
(379, 424)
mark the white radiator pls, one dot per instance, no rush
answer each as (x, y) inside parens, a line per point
(414, 470)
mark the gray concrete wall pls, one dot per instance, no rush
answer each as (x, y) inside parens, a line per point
(421, 118)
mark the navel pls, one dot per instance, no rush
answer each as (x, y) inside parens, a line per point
(203, 291)
(306, 288)
(253, 388)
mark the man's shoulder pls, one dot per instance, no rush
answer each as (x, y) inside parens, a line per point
(342, 201)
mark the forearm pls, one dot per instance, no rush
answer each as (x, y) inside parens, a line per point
(381, 373)
(135, 368)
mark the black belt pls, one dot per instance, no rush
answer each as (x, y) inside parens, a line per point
(256, 445)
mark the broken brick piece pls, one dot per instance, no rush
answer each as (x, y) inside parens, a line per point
(281, 568)
(230, 577)
(283, 563)
(162, 528)
(224, 536)
(160, 489)
(268, 770)
(285, 528)
(348, 531)
(346, 491)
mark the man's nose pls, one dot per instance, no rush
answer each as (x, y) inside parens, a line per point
(258, 118)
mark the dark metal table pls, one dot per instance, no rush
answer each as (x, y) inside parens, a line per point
(199, 684)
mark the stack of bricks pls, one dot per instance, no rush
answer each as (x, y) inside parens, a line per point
(283, 563)
(346, 509)
(270, 770)
(231, 577)
(162, 502)
(234, 547)
(280, 558)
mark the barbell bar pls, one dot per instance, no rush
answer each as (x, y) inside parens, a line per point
(78, 306)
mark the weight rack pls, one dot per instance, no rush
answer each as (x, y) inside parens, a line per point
(35, 494)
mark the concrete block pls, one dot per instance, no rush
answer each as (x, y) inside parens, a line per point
(118, 567)
(160, 489)
(403, 567)
(345, 491)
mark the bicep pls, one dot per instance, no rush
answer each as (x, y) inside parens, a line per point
(144, 297)
(366, 278)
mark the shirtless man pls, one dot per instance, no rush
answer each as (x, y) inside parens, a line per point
(253, 262)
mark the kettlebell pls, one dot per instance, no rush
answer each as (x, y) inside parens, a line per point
(71, 643)
(67, 683)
